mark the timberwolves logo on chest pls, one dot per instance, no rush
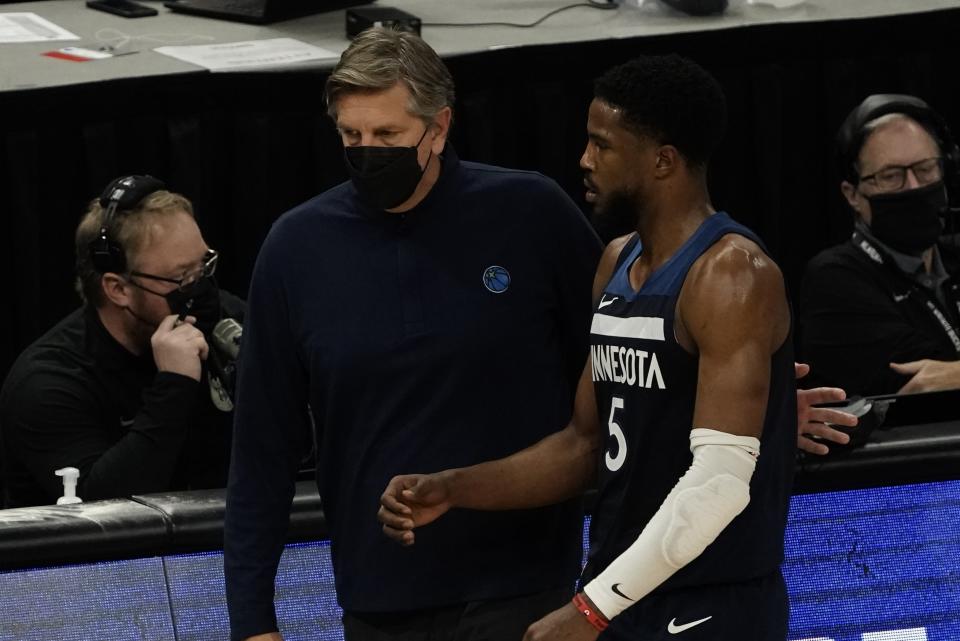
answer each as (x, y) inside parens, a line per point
(496, 279)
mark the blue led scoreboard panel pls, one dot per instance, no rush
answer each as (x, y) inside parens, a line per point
(880, 564)
(123, 600)
(875, 565)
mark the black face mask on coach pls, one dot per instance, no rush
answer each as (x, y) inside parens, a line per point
(385, 176)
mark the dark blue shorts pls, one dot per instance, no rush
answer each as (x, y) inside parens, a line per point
(755, 610)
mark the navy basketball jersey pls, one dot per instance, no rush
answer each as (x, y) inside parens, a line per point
(646, 385)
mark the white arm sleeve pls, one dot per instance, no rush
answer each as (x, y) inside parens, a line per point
(713, 491)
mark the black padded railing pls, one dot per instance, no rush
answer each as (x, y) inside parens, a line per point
(178, 522)
(141, 526)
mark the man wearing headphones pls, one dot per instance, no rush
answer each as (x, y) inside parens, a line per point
(880, 313)
(119, 388)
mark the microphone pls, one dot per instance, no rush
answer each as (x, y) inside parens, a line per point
(223, 363)
(226, 338)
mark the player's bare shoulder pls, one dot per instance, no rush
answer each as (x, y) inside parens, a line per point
(735, 266)
(736, 285)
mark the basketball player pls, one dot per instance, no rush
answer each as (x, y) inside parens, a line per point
(686, 408)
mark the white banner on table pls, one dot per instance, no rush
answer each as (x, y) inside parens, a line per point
(228, 56)
(29, 27)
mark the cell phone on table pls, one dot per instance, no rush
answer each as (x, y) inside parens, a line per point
(124, 8)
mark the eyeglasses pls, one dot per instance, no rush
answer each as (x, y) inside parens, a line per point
(893, 178)
(207, 268)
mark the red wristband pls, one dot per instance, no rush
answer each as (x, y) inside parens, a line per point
(594, 618)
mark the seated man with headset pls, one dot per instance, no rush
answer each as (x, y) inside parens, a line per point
(880, 313)
(120, 388)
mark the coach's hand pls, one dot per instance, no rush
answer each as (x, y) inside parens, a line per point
(410, 501)
(565, 624)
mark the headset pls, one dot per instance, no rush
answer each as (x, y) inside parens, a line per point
(121, 195)
(851, 135)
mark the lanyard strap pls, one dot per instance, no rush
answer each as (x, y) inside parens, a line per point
(877, 256)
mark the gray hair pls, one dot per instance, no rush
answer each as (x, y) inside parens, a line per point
(886, 119)
(378, 58)
(882, 121)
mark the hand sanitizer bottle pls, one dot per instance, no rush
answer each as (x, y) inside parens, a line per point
(70, 476)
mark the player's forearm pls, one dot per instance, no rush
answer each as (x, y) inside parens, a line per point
(705, 500)
(558, 467)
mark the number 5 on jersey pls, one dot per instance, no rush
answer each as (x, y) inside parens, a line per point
(615, 462)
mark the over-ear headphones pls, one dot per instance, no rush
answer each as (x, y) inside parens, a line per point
(122, 194)
(851, 135)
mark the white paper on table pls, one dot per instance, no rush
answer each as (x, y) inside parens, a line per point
(251, 53)
(29, 27)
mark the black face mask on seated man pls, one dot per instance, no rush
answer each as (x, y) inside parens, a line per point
(200, 299)
(909, 221)
(385, 176)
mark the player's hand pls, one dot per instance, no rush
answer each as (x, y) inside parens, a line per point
(410, 501)
(179, 348)
(817, 421)
(565, 624)
(928, 375)
(270, 636)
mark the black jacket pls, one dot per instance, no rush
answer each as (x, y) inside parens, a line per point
(859, 313)
(77, 398)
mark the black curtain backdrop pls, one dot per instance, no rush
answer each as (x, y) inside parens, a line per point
(245, 147)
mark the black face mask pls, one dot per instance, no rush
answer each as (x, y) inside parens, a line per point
(385, 176)
(909, 221)
(201, 300)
